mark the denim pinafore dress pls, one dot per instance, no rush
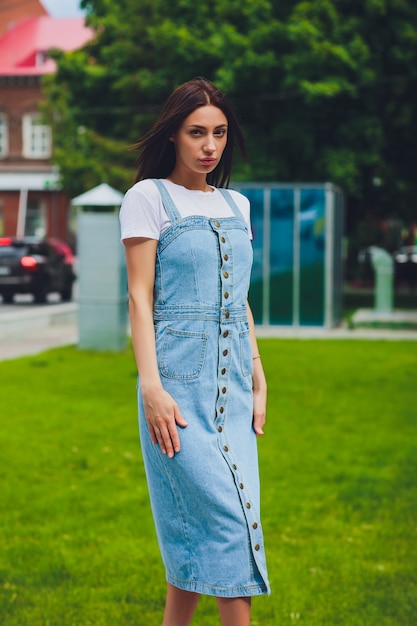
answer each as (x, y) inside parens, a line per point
(205, 500)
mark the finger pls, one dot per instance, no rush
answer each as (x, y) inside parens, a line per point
(179, 419)
(160, 440)
(167, 432)
(258, 424)
(152, 433)
(175, 438)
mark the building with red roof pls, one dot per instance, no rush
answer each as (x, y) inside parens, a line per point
(31, 201)
(24, 48)
(14, 11)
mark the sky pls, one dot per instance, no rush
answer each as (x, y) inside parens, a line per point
(63, 8)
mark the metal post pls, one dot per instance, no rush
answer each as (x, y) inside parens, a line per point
(266, 259)
(296, 265)
(22, 211)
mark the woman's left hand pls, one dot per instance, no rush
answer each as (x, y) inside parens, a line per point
(259, 398)
(259, 412)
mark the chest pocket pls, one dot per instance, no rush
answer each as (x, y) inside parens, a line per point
(182, 354)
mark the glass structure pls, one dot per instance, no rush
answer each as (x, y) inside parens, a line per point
(297, 269)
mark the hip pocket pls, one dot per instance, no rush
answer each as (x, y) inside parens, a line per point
(246, 362)
(182, 354)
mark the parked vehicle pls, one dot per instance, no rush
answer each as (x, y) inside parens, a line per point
(36, 266)
(406, 266)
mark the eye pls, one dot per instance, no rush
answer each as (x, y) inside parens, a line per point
(220, 132)
(195, 132)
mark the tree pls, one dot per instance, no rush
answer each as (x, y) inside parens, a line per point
(325, 89)
(356, 67)
(104, 97)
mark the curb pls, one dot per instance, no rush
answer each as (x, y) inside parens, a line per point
(18, 323)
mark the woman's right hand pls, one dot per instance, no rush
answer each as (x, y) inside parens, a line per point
(163, 416)
(161, 411)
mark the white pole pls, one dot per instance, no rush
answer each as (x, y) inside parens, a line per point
(266, 263)
(21, 216)
(329, 257)
(296, 259)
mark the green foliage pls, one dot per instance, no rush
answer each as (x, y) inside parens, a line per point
(325, 90)
(338, 465)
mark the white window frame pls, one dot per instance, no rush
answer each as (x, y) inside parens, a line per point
(37, 137)
(4, 136)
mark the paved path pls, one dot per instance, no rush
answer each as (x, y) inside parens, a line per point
(38, 341)
(60, 329)
(27, 329)
(288, 332)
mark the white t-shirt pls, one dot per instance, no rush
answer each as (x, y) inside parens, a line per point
(142, 213)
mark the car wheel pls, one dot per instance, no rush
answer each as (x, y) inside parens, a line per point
(66, 293)
(41, 294)
(7, 297)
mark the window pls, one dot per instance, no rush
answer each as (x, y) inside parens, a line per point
(37, 137)
(4, 136)
(36, 218)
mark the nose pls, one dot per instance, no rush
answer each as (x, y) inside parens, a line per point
(209, 146)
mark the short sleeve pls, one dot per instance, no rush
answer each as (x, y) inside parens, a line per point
(142, 213)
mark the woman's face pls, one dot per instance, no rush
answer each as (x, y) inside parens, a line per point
(200, 141)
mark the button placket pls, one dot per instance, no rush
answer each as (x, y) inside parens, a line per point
(223, 374)
(226, 283)
(226, 271)
(254, 527)
(225, 330)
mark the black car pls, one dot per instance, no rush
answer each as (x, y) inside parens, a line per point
(406, 266)
(36, 266)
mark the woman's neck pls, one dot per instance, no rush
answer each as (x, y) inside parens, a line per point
(194, 183)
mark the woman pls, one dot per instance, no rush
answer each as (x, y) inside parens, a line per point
(202, 389)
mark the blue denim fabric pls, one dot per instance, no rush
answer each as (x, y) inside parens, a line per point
(205, 500)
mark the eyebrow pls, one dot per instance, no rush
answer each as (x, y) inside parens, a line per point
(204, 127)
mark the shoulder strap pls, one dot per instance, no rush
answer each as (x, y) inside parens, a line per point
(167, 201)
(228, 197)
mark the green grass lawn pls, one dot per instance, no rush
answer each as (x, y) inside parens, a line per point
(339, 480)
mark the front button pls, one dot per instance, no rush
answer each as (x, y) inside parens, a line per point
(219, 428)
(225, 334)
(227, 315)
(222, 239)
(226, 274)
(226, 257)
(241, 485)
(221, 409)
(234, 466)
(224, 352)
(217, 224)
(255, 525)
(223, 371)
(225, 448)
(257, 547)
(248, 505)
(226, 294)
(224, 390)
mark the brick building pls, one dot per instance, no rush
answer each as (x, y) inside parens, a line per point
(14, 11)
(31, 201)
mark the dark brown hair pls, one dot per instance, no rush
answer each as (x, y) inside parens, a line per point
(156, 151)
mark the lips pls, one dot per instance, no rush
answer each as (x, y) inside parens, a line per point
(207, 161)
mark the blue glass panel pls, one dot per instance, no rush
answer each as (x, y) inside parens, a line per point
(282, 256)
(312, 257)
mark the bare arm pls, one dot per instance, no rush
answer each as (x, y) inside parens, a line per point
(258, 381)
(161, 411)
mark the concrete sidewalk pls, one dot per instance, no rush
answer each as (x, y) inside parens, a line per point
(32, 331)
